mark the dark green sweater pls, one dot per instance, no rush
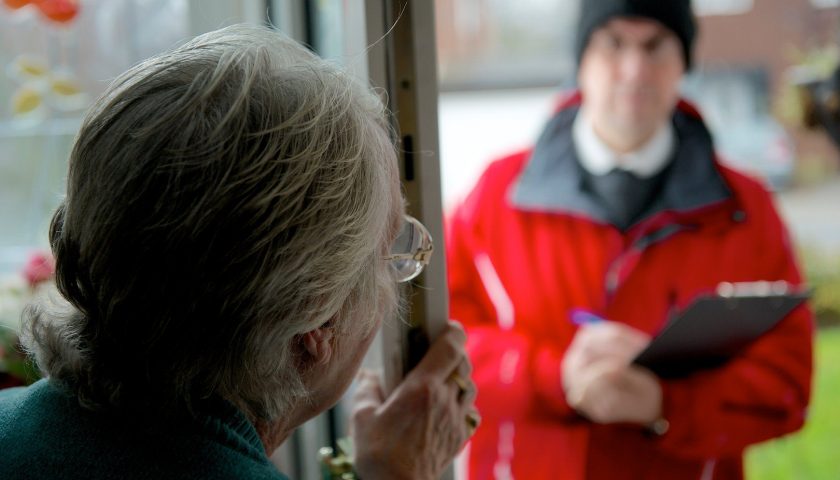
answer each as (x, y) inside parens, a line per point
(45, 434)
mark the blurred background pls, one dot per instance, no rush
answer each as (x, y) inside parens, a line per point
(501, 64)
(51, 68)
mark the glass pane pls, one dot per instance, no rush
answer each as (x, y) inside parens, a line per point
(327, 24)
(499, 43)
(747, 56)
(722, 7)
(56, 60)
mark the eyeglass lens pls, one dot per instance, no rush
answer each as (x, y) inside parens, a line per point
(411, 240)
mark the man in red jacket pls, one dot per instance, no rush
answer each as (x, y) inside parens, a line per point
(621, 209)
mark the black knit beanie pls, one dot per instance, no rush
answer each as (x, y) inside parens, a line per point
(674, 14)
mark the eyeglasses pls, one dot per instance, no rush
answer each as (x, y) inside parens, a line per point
(411, 251)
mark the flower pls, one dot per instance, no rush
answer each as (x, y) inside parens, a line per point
(40, 268)
(15, 292)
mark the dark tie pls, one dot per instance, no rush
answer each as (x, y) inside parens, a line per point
(624, 195)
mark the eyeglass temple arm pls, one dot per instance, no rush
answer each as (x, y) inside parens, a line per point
(423, 256)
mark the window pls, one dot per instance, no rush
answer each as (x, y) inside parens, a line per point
(498, 43)
(825, 3)
(55, 66)
(722, 7)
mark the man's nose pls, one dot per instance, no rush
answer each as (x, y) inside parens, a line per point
(635, 64)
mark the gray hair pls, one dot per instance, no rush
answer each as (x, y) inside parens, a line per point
(222, 199)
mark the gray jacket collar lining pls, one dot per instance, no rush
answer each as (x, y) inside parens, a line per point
(552, 180)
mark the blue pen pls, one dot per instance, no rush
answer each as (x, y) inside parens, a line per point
(581, 316)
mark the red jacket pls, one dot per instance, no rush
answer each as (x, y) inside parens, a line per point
(527, 246)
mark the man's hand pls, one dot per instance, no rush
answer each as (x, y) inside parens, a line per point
(416, 432)
(599, 381)
(610, 392)
(596, 342)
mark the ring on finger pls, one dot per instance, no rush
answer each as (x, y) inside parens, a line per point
(473, 420)
(463, 385)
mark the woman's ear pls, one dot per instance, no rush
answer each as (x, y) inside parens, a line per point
(318, 344)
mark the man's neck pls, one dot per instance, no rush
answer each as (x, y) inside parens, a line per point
(622, 142)
(644, 159)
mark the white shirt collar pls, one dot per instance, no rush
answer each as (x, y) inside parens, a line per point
(598, 158)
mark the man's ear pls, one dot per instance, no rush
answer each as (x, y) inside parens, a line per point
(318, 344)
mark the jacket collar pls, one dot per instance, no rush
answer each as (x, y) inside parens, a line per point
(552, 180)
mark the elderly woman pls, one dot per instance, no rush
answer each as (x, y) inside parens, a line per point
(231, 240)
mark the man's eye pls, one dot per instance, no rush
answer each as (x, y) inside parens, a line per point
(654, 45)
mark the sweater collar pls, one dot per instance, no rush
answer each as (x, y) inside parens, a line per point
(217, 418)
(222, 420)
(552, 180)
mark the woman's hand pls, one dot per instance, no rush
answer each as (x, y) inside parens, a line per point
(416, 432)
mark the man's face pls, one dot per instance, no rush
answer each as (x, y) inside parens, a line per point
(629, 77)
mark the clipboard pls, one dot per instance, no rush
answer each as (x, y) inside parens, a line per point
(716, 327)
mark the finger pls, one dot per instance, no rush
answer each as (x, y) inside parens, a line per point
(368, 391)
(616, 393)
(591, 383)
(463, 427)
(444, 355)
(640, 379)
(612, 339)
(367, 399)
(628, 335)
(458, 381)
(632, 342)
(464, 368)
(473, 421)
(464, 389)
(591, 343)
(458, 328)
(461, 375)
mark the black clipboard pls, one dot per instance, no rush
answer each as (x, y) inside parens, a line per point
(715, 327)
